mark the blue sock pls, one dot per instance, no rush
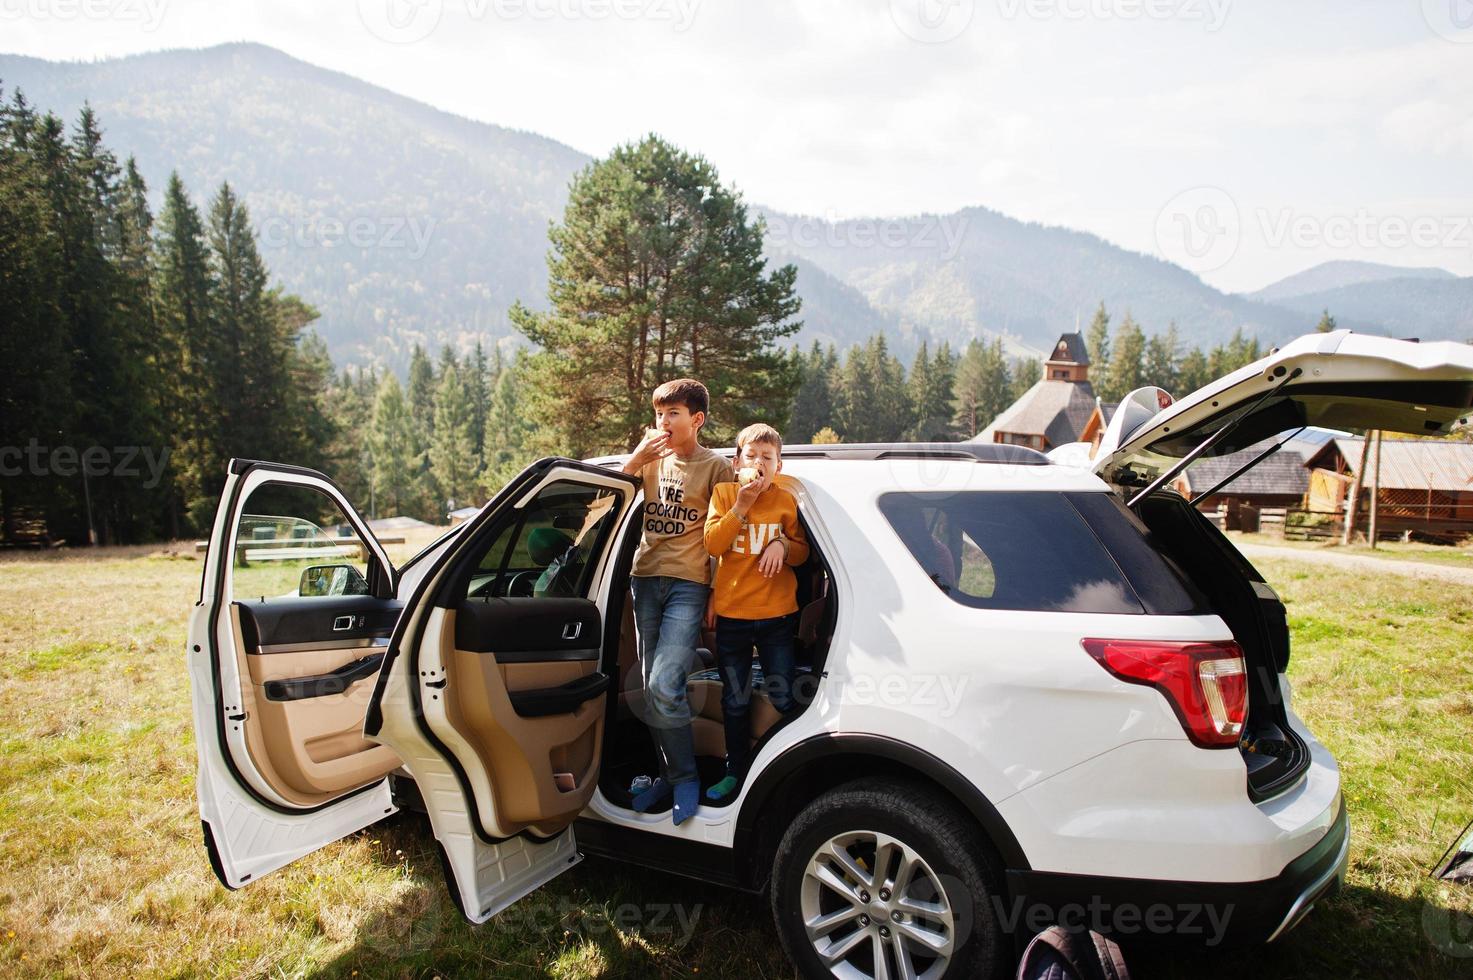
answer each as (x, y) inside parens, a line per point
(658, 793)
(687, 800)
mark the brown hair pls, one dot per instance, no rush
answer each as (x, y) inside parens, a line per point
(683, 391)
(759, 432)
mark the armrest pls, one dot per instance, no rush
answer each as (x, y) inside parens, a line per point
(318, 685)
(561, 700)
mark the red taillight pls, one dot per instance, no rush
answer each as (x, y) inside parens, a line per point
(1205, 683)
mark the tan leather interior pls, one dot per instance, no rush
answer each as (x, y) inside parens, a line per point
(519, 755)
(311, 750)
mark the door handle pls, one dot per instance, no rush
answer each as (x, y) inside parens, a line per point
(342, 623)
(571, 631)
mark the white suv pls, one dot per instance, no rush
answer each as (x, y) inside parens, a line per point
(1029, 691)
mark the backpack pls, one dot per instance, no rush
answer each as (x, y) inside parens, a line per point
(1058, 954)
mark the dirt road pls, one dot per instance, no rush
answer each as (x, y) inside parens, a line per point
(1365, 563)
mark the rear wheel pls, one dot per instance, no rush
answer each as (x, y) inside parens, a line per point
(888, 881)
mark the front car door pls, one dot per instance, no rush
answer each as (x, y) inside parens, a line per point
(493, 694)
(294, 615)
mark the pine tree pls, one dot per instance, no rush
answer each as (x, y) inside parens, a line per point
(1097, 340)
(190, 357)
(478, 387)
(1192, 372)
(813, 402)
(422, 386)
(1027, 372)
(1326, 324)
(1160, 362)
(452, 448)
(656, 272)
(930, 383)
(1126, 360)
(392, 447)
(983, 387)
(510, 433)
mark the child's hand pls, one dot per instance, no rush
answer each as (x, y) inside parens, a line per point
(771, 561)
(651, 448)
(709, 622)
(747, 496)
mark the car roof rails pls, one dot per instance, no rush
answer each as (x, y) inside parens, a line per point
(979, 452)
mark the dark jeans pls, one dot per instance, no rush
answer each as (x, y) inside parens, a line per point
(667, 616)
(774, 639)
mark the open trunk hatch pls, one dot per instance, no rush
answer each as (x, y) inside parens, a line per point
(1336, 380)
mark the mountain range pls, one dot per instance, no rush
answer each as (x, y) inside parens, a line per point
(402, 223)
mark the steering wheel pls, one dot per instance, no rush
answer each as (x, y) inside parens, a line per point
(522, 583)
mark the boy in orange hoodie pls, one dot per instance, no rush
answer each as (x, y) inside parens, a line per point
(752, 530)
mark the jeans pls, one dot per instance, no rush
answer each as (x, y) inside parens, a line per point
(667, 615)
(774, 639)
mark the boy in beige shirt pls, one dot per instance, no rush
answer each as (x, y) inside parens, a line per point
(671, 580)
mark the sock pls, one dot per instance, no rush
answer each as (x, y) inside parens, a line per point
(658, 793)
(687, 800)
(722, 789)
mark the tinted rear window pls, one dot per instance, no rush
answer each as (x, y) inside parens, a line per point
(1033, 551)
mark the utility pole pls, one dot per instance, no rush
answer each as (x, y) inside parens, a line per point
(1353, 502)
(1375, 488)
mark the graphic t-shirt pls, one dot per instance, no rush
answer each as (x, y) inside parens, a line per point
(677, 493)
(741, 590)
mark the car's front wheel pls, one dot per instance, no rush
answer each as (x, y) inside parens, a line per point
(887, 881)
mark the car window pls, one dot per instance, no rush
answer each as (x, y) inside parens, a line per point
(1010, 550)
(549, 547)
(294, 540)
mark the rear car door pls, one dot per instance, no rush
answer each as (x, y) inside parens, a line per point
(493, 695)
(297, 603)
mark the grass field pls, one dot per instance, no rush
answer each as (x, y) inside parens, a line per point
(102, 871)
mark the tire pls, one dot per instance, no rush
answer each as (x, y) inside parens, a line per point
(952, 868)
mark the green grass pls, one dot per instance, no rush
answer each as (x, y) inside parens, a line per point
(102, 872)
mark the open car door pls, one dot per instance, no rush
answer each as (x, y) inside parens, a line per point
(1338, 380)
(295, 611)
(493, 695)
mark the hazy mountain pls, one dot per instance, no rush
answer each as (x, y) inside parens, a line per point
(401, 222)
(1029, 282)
(1334, 275)
(1431, 308)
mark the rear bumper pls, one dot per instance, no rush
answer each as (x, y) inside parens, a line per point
(1194, 913)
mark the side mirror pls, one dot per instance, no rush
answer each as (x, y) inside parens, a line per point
(328, 580)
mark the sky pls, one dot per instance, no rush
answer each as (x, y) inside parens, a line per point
(1243, 139)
